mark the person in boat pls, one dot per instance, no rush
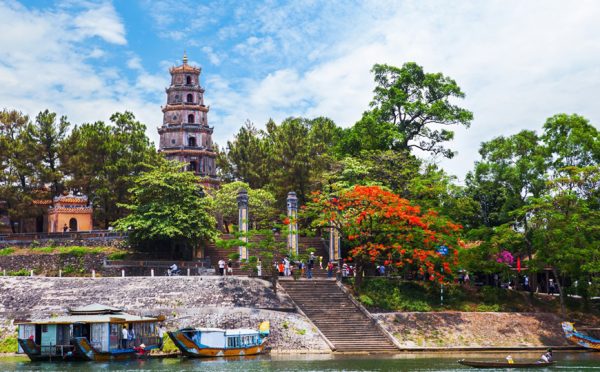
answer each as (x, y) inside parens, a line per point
(510, 360)
(140, 350)
(161, 335)
(546, 357)
(124, 337)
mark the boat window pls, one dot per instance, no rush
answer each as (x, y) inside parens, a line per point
(44, 328)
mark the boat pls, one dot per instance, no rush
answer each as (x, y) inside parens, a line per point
(490, 364)
(580, 338)
(92, 332)
(215, 342)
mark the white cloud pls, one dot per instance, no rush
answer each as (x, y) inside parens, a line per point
(101, 21)
(518, 63)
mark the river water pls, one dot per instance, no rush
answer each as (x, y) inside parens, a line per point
(319, 362)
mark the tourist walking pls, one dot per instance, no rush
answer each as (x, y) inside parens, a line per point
(321, 262)
(221, 267)
(230, 267)
(286, 267)
(309, 267)
(330, 269)
(258, 267)
(467, 278)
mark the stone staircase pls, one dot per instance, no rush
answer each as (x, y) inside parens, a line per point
(337, 317)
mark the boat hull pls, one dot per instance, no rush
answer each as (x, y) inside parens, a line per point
(579, 338)
(33, 352)
(483, 364)
(85, 351)
(189, 348)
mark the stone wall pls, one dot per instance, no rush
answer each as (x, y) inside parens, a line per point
(50, 264)
(211, 301)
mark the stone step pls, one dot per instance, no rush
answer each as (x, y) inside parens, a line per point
(337, 317)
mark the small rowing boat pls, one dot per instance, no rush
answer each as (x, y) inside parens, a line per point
(490, 364)
(214, 342)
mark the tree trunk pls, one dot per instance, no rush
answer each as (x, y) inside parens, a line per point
(358, 279)
(561, 294)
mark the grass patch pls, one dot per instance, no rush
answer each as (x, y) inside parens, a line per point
(22, 272)
(43, 250)
(78, 251)
(117, 255)
(6, 251)
(9, 344)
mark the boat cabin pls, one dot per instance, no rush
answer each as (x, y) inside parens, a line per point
(102, 327)
(224, 339)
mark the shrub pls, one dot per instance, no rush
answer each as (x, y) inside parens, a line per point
(487, 308)
(6, 251)
(22, 272)
(9, 344)
(117, 255)
(34, 244)
(366, 300)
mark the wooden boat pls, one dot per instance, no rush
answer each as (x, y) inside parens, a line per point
(486, 364)
(214, 342)
(91, 332)
(580, 338)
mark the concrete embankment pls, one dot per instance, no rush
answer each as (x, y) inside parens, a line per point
(474, 330)
(206, 301)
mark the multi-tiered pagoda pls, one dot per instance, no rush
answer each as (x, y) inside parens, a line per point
(185, 134)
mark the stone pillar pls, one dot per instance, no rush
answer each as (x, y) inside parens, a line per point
(292, 213)
(242, 200)
(334, 244)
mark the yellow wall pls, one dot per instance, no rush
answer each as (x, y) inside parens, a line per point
(56, 221)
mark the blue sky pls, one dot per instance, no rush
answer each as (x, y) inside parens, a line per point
(518, 62)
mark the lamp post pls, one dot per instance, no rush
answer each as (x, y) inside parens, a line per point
(242, 200)
(292, 212)
(334, 239)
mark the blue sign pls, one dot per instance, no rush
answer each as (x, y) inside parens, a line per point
(443, 250)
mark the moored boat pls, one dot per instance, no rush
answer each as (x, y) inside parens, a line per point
(580, 338)
(215, 342)
(491, 364)
(91, 332)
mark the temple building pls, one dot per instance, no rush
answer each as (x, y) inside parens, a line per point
(70, 213)
(185, 134)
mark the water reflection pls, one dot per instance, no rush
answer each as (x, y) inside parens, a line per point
(309, 362)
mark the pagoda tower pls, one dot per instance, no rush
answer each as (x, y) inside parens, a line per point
(185, 134)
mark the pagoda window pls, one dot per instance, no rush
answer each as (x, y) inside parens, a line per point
(190, 98)
(73, 224)
(191, 118)
(188, 80)
(192, 142)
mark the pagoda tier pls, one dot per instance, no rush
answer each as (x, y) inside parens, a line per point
(185, 135)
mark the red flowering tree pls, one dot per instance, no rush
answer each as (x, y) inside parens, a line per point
(379, 226)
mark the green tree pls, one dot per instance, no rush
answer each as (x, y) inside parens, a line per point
(418, 105)
(261, 205)
(17, 166)
(245, 158)
(102, 160)
(167, 207)
(47, 137)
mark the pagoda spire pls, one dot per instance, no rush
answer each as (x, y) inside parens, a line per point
(185, 59)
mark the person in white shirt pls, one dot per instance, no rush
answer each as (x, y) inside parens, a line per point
(221, 267)
(125, 336)
(286, 267)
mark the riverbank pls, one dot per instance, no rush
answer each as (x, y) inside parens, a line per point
(478, 330)
(234, 302)
(208, 301)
